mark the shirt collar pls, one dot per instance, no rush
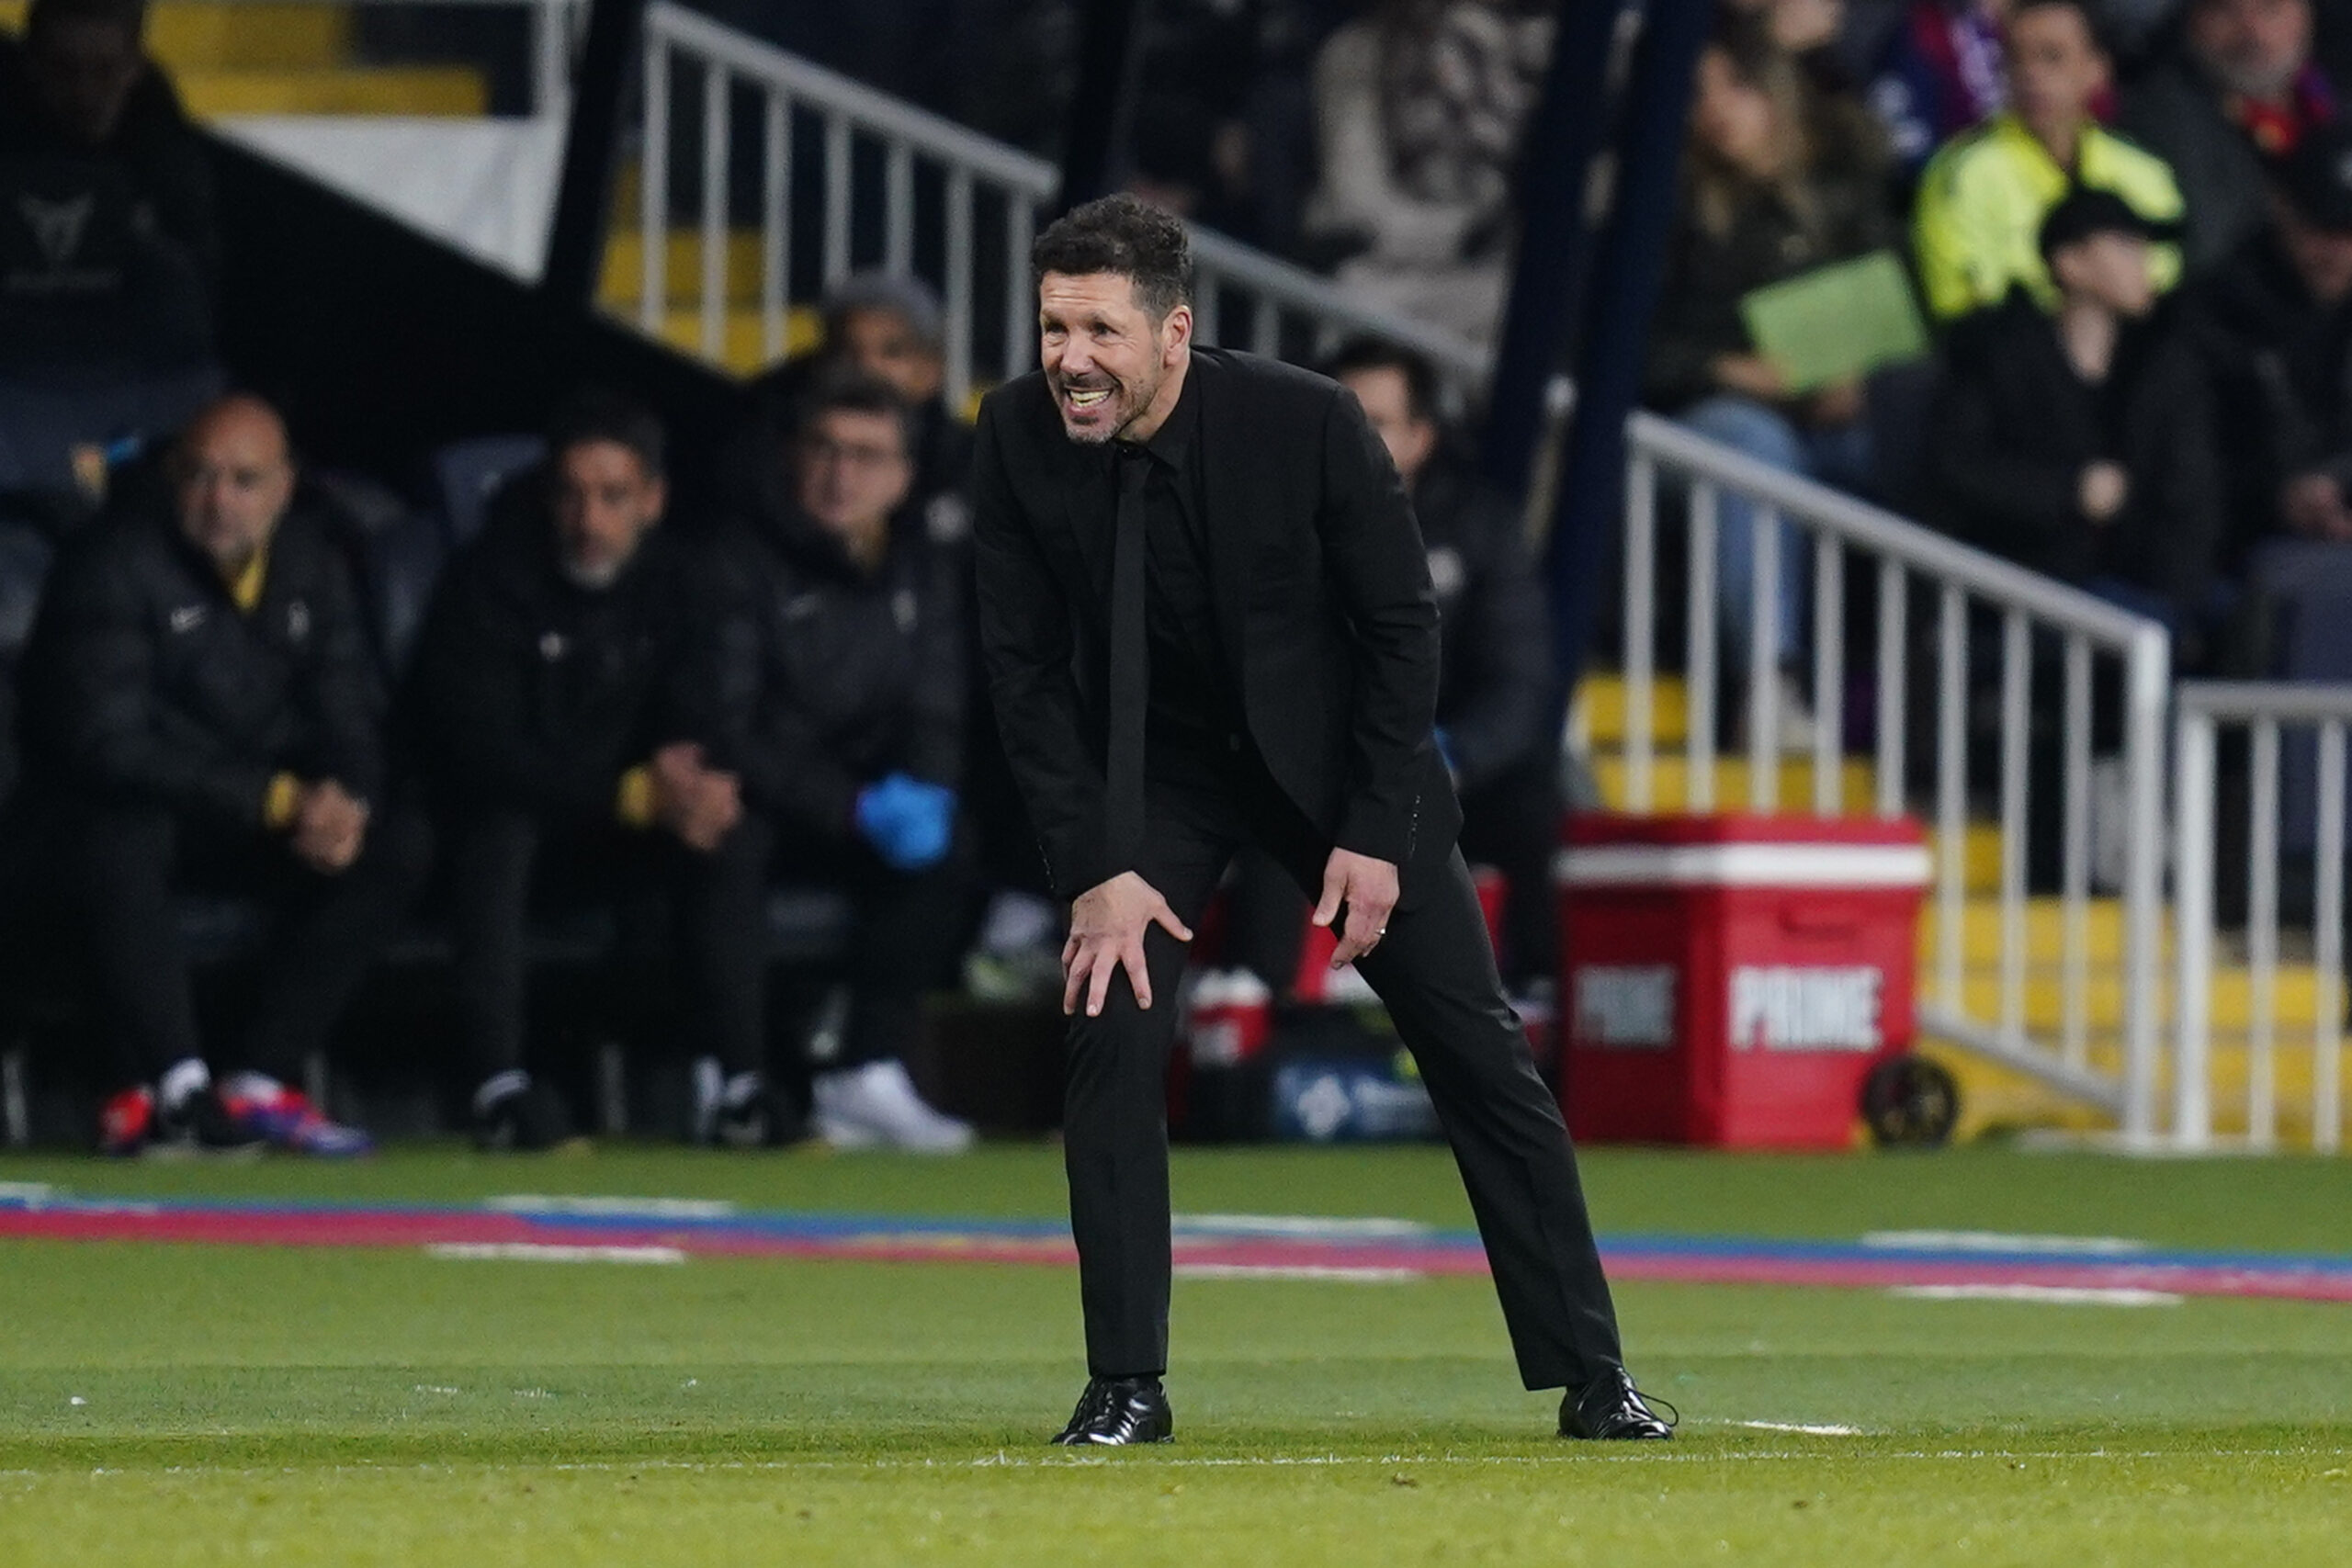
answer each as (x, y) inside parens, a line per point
(245, 583)
(1172, 442)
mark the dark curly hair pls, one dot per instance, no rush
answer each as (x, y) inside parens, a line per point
(602, 414)
(1119, 235)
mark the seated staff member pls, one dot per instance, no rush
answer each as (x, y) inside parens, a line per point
(544, 704)
(837, 695)
(201, 713)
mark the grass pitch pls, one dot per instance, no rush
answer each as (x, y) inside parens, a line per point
(166, 1405)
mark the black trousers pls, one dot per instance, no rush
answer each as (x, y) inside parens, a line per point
(121, 867)
(907, 930)
(505, 864)
(1435, 970)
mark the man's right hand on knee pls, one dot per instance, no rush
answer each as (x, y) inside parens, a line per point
(1106, 930)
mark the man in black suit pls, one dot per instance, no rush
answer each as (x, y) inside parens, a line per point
(1208, 621)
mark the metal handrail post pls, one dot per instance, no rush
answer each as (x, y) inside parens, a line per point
(2193, 765)
(2148, 681)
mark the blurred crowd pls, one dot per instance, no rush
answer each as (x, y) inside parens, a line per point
(2123, 236)
(2137, 401)
(2130, 230)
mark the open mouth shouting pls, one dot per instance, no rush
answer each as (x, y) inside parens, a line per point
(1088, 408)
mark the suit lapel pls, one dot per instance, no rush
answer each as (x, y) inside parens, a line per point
(1225, 446)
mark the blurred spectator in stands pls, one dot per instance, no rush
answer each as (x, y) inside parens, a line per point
(2082, 444)
(1982, 197)
(1183, 160)
(201, 713)
(1495, 727)
(1811, 32)
(2239, 87)
(1420, 109)
(1934, 70)
(545, 705)
(108, 241)
(837, 696)
(1776, 183)
(2275, 324)
(892, 328)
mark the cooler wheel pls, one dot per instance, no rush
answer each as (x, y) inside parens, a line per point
(1910, 1102)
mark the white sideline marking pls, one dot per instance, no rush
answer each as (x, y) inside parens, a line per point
(657, 1208)
(1579, 1454)
(1296, 1271)
(2052, 1295)
(534, 1252)
(1807, 1429)
(26, 1195)
(1298, 1225)
(1997, 1241)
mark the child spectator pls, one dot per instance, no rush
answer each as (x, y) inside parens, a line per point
(2082, 444)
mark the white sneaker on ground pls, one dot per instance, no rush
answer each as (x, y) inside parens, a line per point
(876, 1106)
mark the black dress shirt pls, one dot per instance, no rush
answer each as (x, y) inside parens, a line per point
(1192, 691)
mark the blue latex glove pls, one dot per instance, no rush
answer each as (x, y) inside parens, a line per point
(908, 822)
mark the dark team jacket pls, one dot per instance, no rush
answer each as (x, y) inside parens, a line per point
(109, 255)
(817, 677)
(2280, 363)
(145, 685)
(530, 692)
(1496, 665)
(1321, 592)
(2015, 427)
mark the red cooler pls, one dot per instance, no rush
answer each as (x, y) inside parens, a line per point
(1731, 980)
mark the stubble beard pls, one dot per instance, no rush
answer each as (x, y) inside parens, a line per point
(1128, 402)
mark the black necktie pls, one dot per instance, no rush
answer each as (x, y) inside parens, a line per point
(1122, 810)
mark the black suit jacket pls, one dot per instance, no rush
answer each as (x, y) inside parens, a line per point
(1322, 597)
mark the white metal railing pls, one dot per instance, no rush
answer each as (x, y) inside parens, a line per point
(2266, 713)
(987, 192)
(2037, 616)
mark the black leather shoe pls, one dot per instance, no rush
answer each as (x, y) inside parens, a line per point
(1114, 1412)
(1611, 1407)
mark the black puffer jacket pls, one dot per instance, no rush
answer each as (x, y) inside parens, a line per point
(2281, 366)
(108, 253)
(2015, 427)
(1495, 660)
(145, 685)
(820, 677)
(530, 693)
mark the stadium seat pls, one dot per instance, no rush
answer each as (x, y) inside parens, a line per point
(467, 474)
(43, 420)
